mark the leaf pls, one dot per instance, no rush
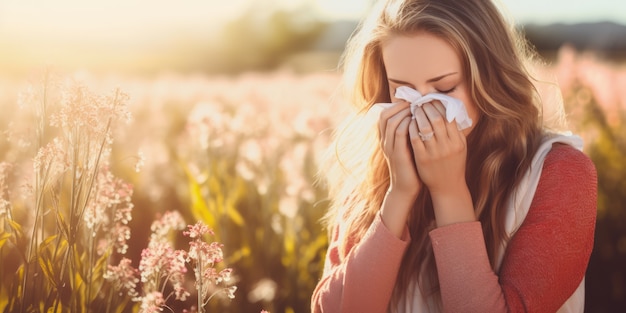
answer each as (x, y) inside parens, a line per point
(48, 271)
(3, 239)
(234, 215)
(47, 242)
(45, 260)
(216, 194)
(199, 207)
(17, 228)
(231, 209)
(61, 222)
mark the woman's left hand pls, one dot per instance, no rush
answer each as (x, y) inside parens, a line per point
(439, 147)
(440, 151)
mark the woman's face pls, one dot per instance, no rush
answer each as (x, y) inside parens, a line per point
(427, 64)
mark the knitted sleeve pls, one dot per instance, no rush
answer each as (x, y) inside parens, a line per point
(364, 279)
(545, 260)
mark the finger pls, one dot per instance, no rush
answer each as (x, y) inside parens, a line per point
(437, 121)
(423, 124)
(439, 106)
(384, 115)
(391, 130)
(416, 141)
(402, 134)
(451, 126)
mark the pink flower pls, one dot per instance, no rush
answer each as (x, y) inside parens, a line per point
(204, 253)
(176, 273)
(204, 256)
(109, 211)
(51, 159)
(121, 235)
(153, 263)
(89, 114)
(224, 276)
(197, 230)
(171, 220)
(230, 292)
(160, 263)
(152, 302)
(124, 278)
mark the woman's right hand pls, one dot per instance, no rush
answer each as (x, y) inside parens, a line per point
(405, 184)
(393, 127)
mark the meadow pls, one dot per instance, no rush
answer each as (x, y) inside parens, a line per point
(120, 191)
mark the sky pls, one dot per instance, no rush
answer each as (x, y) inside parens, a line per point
(128, 18)
(522, 11)
(566, 11)
(43, 29)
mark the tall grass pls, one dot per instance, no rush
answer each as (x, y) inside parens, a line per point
(65, 215)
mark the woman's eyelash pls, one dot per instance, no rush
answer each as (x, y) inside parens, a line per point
(447, 91)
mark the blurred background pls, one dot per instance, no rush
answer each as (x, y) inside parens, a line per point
(237, 98)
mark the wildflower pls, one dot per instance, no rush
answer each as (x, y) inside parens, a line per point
(152, 302)
(197, 230)
(171, 220)
(160, 264)
(4, 188)
(51, 158)
(205, 256)
(204, 120)
(95, 214)
(224, 275)
(176, 273)
(205, 253)
(121, 235)
(141, 160)
(153, 262)
(110, 210)
(231, 292)
(124, 278)
(90, 114)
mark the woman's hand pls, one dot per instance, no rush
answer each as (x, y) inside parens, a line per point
(440, 151)
(405, 185)
(393, 127)
(439, 147)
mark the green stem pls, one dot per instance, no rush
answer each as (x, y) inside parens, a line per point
(61, 280)
(32, 253)
(200, 284)
(89, 281)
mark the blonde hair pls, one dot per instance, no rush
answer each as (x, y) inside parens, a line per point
(500, 147)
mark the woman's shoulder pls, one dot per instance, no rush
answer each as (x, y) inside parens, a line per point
(567, 159)
(568, 171)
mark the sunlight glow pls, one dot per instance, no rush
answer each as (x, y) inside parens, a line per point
(348, 9)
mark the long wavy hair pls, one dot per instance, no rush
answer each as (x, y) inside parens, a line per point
(500, 147)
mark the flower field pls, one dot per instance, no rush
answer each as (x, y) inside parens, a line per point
(200, 193)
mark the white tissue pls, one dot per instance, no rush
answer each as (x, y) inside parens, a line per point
(455, 110)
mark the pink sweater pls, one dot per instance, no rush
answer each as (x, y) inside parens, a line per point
(544, 263)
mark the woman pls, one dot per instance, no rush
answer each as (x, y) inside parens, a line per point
(478, 210)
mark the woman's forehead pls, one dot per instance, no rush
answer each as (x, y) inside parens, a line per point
(420, 56)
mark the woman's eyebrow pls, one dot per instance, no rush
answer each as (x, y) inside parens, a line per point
(399, 82)
(432, 80)
(440, 77)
